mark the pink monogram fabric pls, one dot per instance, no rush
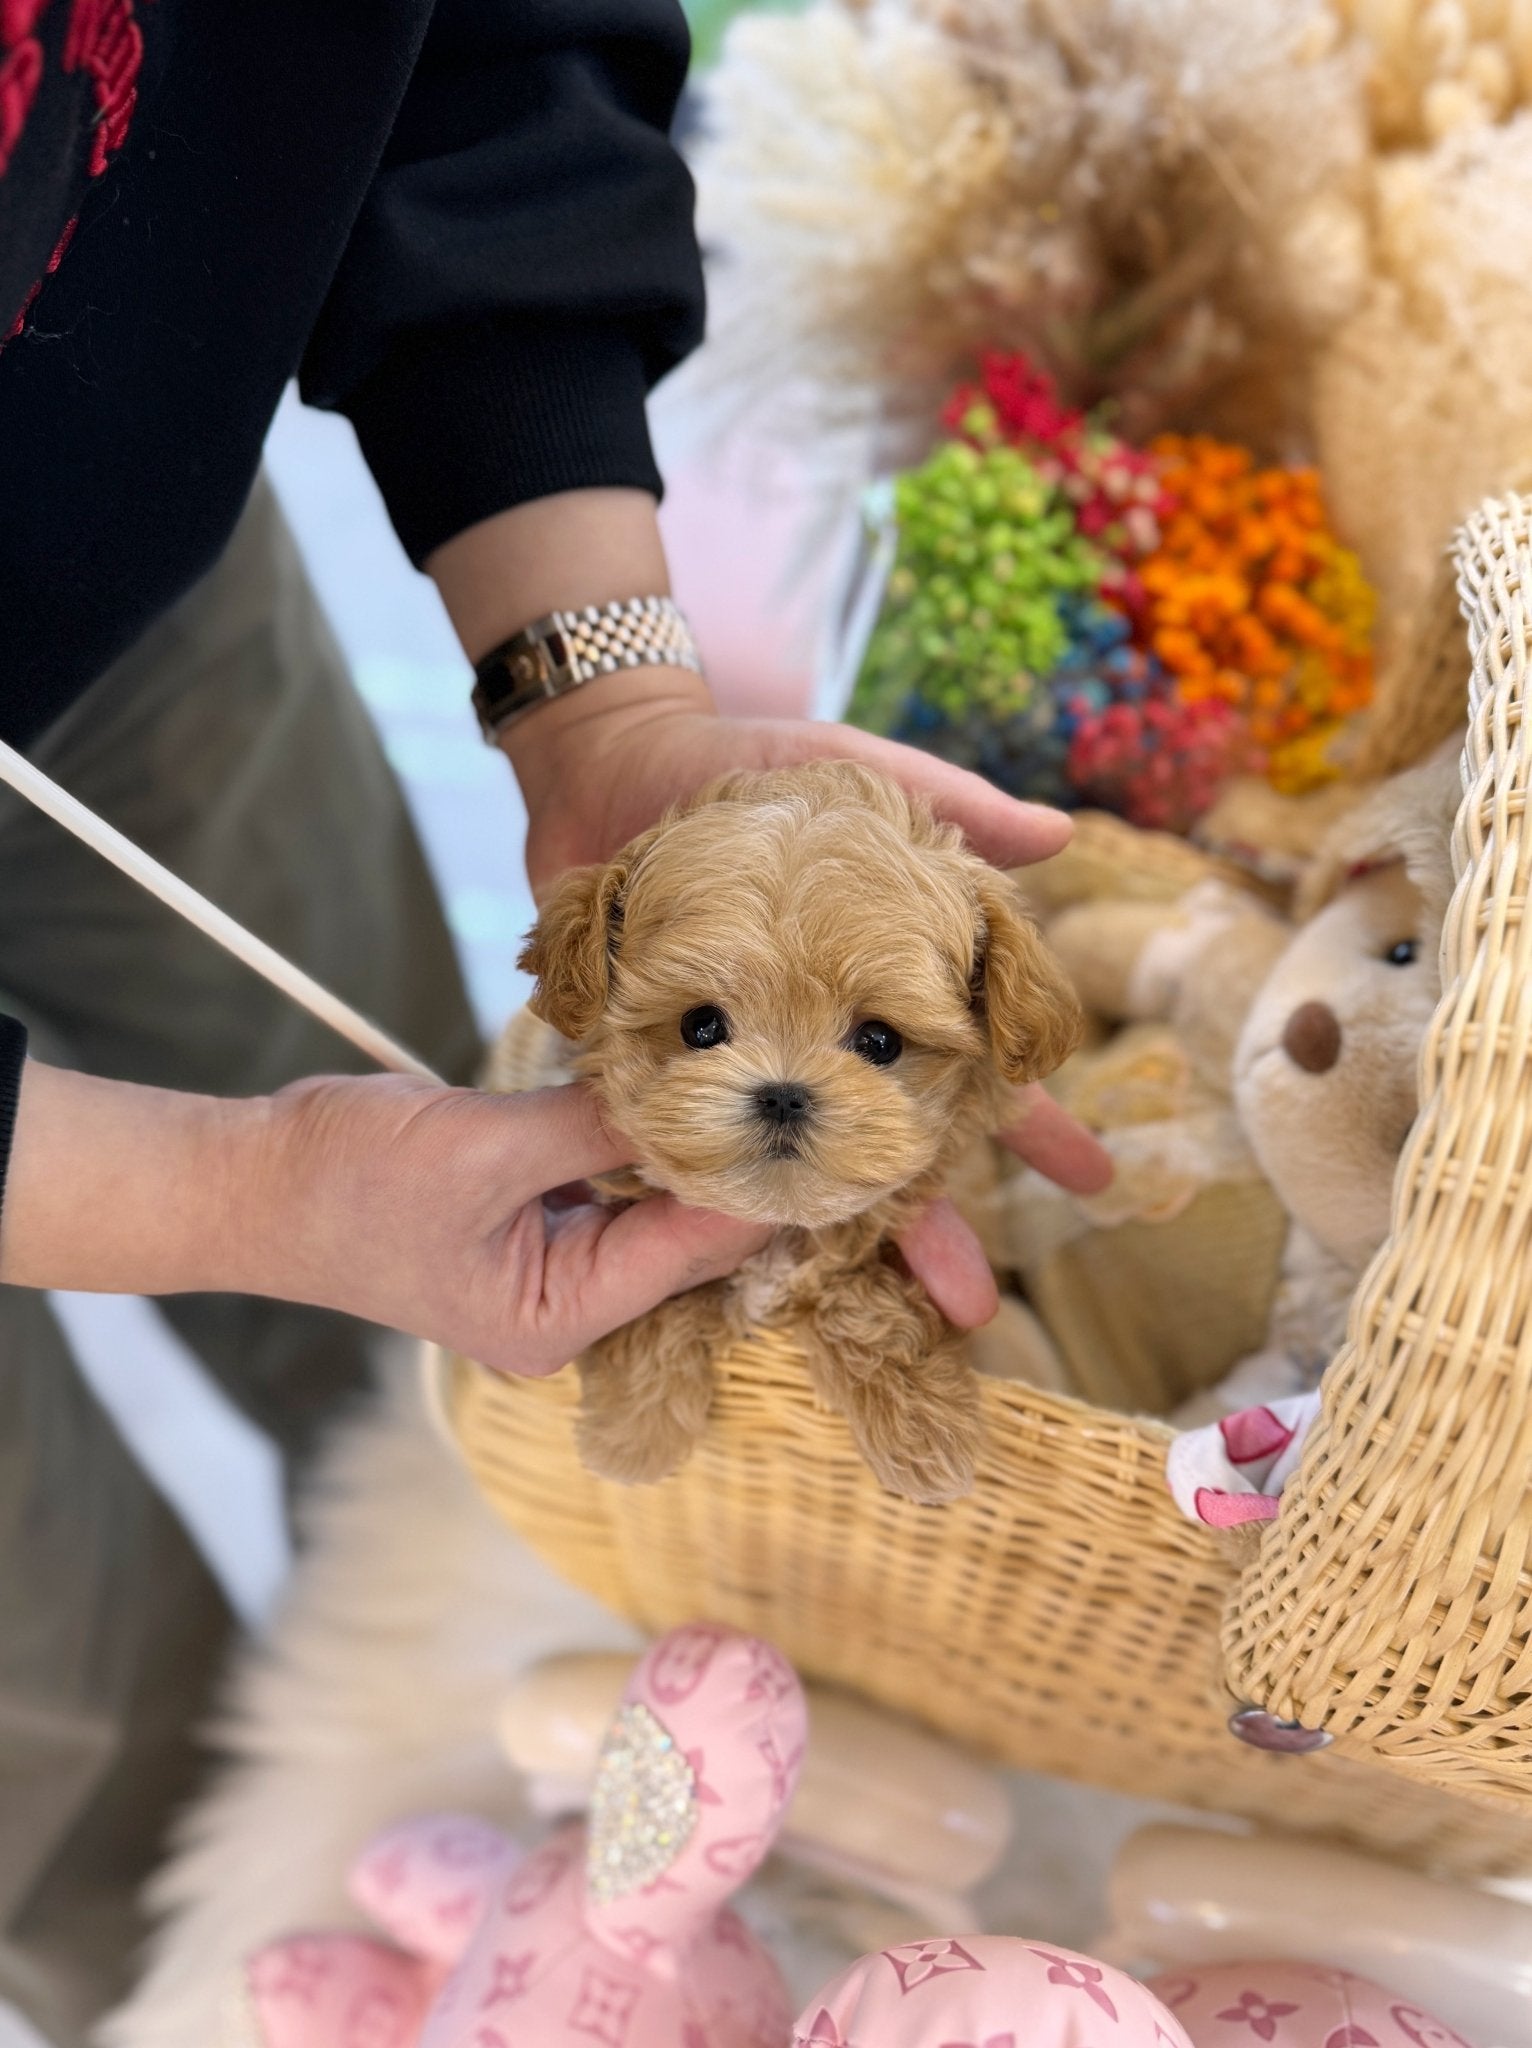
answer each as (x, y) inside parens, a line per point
(986, 1991)
(338, 1990)
(538, 1956)
(1296, 2005)
(427, 1883)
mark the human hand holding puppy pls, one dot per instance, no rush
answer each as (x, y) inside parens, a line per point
(404, 1204)
(422, 1207)
(412, 1206)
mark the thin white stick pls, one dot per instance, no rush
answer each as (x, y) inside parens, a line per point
(307, 993)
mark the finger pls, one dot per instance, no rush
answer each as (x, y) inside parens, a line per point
(947, 1259)
(605, 1268)
(564, 1136)
(1005, 831)
(1061, 1149)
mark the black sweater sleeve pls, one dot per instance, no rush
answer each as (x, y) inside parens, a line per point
(13, 1052)
(524, 267)
(462, 223)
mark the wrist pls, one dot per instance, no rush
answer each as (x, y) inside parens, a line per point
(561, 553)
(316, 1209)
(544, 745)
(295, 1198)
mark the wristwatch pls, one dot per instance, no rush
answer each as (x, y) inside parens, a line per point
(558, 653)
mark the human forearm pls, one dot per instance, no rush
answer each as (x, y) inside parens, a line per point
(524, 268)
(554, 554)
(119, 1189)
(390, 1199)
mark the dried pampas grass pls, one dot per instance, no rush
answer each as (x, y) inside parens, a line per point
(1423, 399)
(1300, 223)
(1158, 199)
(1438, 65)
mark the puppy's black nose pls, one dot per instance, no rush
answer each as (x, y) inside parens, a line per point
(783, 1103)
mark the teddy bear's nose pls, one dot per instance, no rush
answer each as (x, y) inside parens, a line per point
(1312, 1038)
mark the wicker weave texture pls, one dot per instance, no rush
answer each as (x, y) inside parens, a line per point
(1392, 1602)
(1064, 1618)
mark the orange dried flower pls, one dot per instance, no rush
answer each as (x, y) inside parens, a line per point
(1249, 598)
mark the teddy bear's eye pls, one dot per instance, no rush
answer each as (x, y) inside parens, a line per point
(1404, 953)
(877, 1043)
(705, 1026)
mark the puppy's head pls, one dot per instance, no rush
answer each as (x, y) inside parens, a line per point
(797, 992)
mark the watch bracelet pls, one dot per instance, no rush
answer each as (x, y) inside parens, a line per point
(566, 649)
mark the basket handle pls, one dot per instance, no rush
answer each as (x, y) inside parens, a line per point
(1390, 1604)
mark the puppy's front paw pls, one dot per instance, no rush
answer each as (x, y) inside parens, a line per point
(930, 1476)
(646, 1390)
(635, 1450)
(923, 1448)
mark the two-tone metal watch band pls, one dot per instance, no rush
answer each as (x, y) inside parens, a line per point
(566, 649)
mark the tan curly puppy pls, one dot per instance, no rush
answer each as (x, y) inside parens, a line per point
(799, 997)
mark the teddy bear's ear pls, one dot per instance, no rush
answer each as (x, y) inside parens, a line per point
(570, 947)
(1029, 1007)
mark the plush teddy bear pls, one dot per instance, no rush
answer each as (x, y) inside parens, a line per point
(1325, 1076)
(616, 1933)
(1165, 981)
(1255, 1080)
(896, 1825)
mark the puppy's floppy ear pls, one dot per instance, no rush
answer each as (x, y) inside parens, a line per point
(570, 948)
(1029, 1007)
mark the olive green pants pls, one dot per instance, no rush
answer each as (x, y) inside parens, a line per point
(231, 744)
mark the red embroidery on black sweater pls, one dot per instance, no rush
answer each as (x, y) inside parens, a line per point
(53, 263)
(18, 18)
(105, 41)
(21, 70)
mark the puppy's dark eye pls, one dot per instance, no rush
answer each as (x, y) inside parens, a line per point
(879, 1044)
(705, 1026)
(1404, 953)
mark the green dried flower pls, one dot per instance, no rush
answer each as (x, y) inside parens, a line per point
(986, 548)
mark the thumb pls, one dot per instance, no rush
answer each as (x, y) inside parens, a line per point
(563, 1136)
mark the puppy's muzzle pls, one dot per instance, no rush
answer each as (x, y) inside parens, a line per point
(784, 1107)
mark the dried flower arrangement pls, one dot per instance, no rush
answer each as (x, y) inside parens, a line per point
(1089, 623)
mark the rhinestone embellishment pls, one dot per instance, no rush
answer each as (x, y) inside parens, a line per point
(643, 1808)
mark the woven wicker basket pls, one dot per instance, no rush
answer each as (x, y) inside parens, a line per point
(1064, 1617)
